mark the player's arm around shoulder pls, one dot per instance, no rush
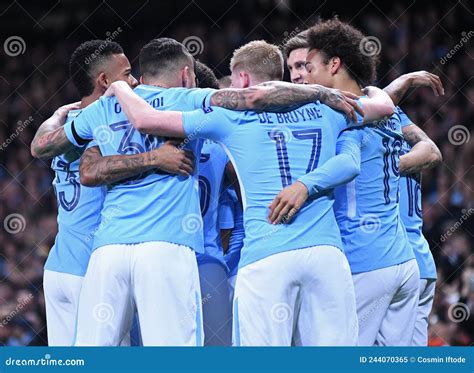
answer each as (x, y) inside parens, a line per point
(278, 96)
(142, 116)
(377, 105)
(398, 88)
(50, 139)
(96, 169)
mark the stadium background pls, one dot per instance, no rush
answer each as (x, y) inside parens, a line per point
(38, 39)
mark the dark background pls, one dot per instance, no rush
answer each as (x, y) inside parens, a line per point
(414, 35)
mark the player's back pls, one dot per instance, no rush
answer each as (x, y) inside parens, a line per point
(271, 151)
(78, 214)
(153, 206)
(367, 208)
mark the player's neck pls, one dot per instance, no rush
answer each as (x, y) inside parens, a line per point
(346, 83)
(87, 100)
(164, 83)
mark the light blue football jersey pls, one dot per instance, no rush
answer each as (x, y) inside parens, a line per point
(211, 176)
(231, 209)
(78, 216)
(153, 206)
(411, 213)
(367, 208)
(270, 151)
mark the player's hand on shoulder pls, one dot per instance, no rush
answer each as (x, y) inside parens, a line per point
(172, 158)
(287, 203)
(63, 111)
(343, 101)
(112, 88)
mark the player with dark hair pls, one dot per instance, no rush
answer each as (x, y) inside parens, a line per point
(278, 267)
(94, 65)
(163, 243)
(383, 264)
(295, 50)
(205, 77)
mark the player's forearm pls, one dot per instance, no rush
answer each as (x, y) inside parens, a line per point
(96, 169)
(50, 140)
(270, 96)
(421, 157)
(424, 153)
(146, 119)
(377, 106)
(338, 170)
(398, 88)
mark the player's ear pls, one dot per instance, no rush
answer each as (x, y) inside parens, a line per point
(185, 76)
(334, 65)
(141, 79)
(244, 79)
(103, 82)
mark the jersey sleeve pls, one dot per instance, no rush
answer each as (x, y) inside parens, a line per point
(339, 120)
(81, 130)
(210, 123)
(91, 144)
(201, 97)
(404, 120)
(338, 170)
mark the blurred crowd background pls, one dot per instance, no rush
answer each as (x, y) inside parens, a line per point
(34, 81)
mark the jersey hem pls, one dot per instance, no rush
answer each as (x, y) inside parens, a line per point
(98, 244)
(397, 262)
(259, 257)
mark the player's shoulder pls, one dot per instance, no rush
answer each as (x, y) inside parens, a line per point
(235, 116)
(72, 115)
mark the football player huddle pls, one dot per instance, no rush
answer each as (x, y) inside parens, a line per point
(245, 211)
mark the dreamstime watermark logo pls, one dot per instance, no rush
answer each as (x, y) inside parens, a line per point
(453, 228)
(280, 312)
(192, 223)
(194, 45)
(369, 223)
(465, 37)
(14, 223)
(111, 36)
(458, 135)
(103, 312)
(281, 133)
(14, 46)
(21, 304)
(19, 129)
(370, 46)
(103, 135)
(458, 312)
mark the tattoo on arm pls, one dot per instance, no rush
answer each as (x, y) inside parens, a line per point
(96, 169)
(414, 135)
(48, 144)
(228, 98)
(397, 90)
(270, 96)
